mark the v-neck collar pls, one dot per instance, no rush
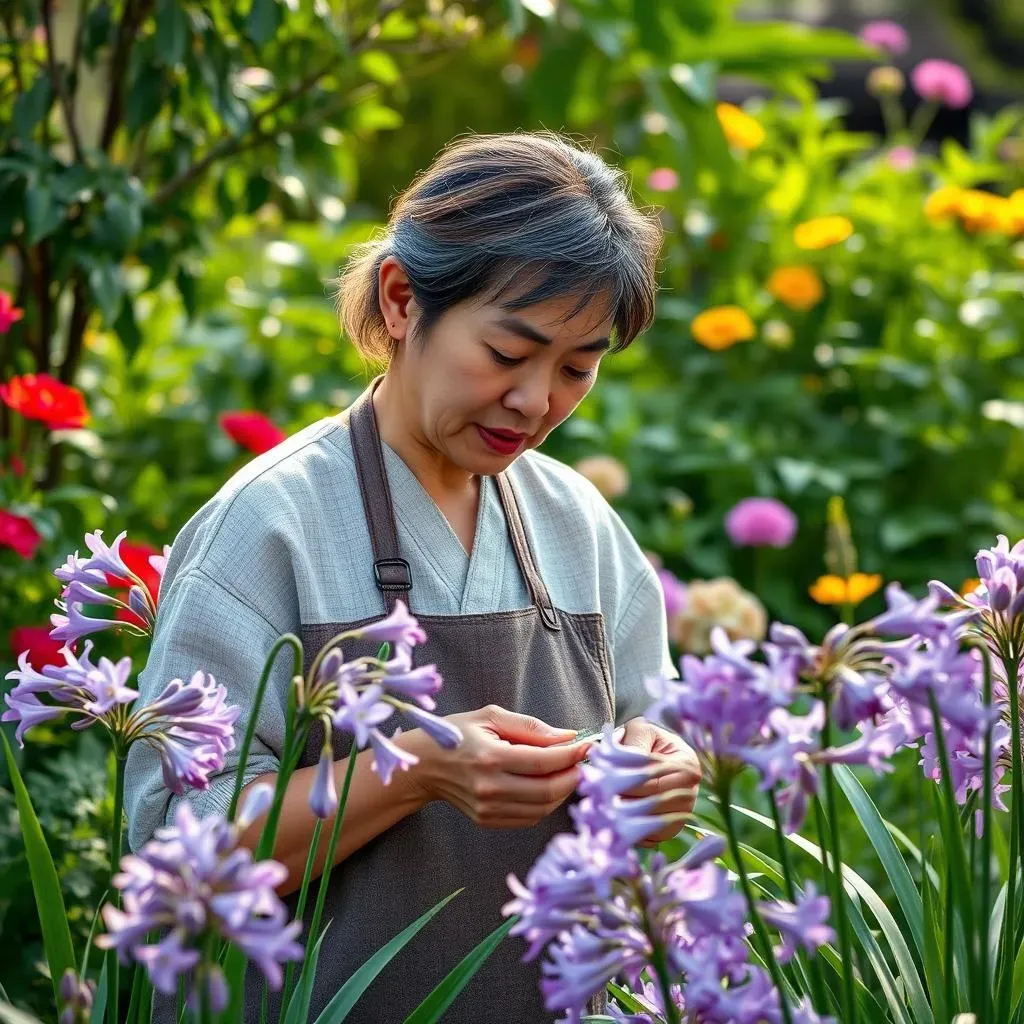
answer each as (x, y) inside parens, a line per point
(472, 578)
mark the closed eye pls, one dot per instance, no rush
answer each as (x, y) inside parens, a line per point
(503, 360)
(579, 374)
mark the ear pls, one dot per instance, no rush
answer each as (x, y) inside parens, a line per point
(396, 300)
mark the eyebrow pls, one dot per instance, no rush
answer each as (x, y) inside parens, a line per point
(524, 330)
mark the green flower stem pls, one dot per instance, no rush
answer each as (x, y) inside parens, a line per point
(839, 892)
(821, 1000)
(1008, 946)
(301, 905)
(759, 927)
(250, 729)
(113, 978)
(332, 845)
(986, 846)
(921, 121)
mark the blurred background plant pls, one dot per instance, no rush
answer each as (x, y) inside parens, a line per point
(840, 314)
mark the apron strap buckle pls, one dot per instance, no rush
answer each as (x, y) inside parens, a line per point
(392, 574)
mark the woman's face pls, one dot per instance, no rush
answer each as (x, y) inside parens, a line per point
(487, 383)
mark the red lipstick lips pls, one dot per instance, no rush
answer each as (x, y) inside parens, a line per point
(504, 442)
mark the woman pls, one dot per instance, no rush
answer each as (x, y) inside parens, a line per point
(509, 269)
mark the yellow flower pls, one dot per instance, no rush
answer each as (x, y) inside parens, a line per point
(722, 326)
(943, 202)
(1016, 202)
(969, 585)
(740, 129)
(821, 232)
(798, 287)
(851, 590)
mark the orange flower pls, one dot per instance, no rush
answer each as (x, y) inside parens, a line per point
(739, 128)
(798, 287)
(851, 590)
(821, 232)
(722, 326)
(1016, 202)
(943, 203)
(38, 396)
(985, 211)
(969, 585)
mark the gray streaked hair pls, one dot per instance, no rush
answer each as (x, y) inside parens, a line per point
(517, 219)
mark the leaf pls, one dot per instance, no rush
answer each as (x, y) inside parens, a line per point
(187, 287)
(263, 21)
(44, 213)
(172, 32)
(298, 1006)
(380, 66)
(348, 995)
(53, 918)
(99, 1003)
(12, 1015)
(31, 107)
(933, 968)
(432, 1008)
(894, 865)
(626, 998)
(107, 288)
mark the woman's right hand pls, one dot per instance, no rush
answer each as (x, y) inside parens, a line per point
(509, 771)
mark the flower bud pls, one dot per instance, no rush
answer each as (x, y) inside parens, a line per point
(778, 334)
(886, 81)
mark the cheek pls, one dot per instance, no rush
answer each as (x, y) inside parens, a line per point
(563, 403)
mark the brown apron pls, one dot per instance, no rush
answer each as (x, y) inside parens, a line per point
(537, 661)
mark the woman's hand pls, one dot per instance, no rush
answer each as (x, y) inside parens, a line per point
(683, 773)
(509, 771)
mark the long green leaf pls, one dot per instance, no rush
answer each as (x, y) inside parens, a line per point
(629, 1002)
(297, 1011)
(12, 1015)
(347, 996)
(933, 967)
(53, 918)
(99, 1003)
(894, 865)
(432, 1008)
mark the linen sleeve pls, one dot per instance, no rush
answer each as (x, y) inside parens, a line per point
(639, 645)
(203, 625)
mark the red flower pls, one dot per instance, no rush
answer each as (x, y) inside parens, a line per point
(136, 557)
(252, 430)
(36, 641)
(17, 467)
(8, 313)
(38, 396)
(18, 533)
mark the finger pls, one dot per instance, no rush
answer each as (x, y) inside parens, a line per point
(525, 760)
(517, 728)
(541, 789)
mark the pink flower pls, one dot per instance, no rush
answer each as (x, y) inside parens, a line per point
(9, 313)
(942, 82)
(902, 158)
(663, 179)
(886, 35)
(674, 590)
(760, 522)
(18, 532)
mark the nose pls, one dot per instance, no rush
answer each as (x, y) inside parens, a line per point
(530, 397)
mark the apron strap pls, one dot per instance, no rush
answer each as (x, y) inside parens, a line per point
(390, 570)
(524, 554)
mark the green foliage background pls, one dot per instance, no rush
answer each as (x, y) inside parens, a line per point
(174, 256)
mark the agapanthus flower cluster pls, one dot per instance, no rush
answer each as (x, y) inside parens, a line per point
(193, 883)
(84, 580)
(359, 695)
(76, 998)
(589, 901)
(188, 724)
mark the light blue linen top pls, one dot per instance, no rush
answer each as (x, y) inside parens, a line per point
(284, 543)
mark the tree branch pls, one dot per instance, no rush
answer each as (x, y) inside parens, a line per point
(76, 331)
(76, 55)
(131, 18)
(42, 284)
(57, 81)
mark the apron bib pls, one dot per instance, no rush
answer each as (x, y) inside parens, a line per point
(538, 661)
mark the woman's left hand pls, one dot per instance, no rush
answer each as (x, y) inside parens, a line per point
(684, 774)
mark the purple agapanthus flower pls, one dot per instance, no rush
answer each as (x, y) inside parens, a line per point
(599, 914)
(76, 998)
(194, 881)
(802, 924)
(323, 797)
(359, 696)
(674, 591)
(188, 724)
(83, 579)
